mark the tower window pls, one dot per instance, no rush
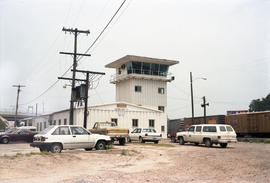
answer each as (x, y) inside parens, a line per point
(161, 90)
(135, 122)
(138, 89)
(151, 123)
(114, 120)
(161, 108)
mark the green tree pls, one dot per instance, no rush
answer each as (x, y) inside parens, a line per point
(260, 104)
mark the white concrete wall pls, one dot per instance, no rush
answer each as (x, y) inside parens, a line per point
(149, 96)
(124, 118)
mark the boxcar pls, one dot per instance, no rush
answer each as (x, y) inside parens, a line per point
(252, 124)
(216, 119)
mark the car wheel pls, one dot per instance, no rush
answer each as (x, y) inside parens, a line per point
(100, 145)
(88, 149)
(56, 148)
(129, 140)
(141, 140)
(208, 143)
(181, 141)
(223, 145)
(156, 142)
(122, 141)
(5, 140)
(196, 143)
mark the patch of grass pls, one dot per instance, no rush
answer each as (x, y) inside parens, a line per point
(135, 151)
(110, 146)
(151, 144)
(266, 141)
(18, 155)
(124, 152)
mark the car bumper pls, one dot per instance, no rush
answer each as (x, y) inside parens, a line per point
(227, 141)
(151, 138)
(40, 145)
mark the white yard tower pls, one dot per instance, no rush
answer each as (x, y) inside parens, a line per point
(142, 80)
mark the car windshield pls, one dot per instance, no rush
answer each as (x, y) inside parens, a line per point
(149, 130)
(46, 130)
(107, 124)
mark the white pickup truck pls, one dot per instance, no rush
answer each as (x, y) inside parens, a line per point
(208, 134)
(59, 137)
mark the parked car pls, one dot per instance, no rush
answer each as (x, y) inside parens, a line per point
(172, 134)
(112, 130)
(17, 135)
(145, 135)
(208, 134)
(59, 137)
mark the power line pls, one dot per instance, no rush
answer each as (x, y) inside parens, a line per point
(51, 86)
(103, 29)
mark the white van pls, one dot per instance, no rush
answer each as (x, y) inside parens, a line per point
(31, 128)
(208, 134)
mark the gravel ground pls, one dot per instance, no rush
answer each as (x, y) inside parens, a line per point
(134, 163)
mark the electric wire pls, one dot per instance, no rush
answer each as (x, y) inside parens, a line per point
(79, 58)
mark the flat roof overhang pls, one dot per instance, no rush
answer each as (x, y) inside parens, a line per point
(127, 58)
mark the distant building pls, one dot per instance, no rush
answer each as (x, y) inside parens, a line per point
(141, 97)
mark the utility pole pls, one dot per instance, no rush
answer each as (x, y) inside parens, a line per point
(36, 108)
(192, 103)
(204, 106)
(17, 102)
(74, 54)
(85, 98)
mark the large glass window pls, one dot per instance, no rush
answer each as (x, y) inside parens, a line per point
(163, 70)
(209, 129)
(146, 68)
(137, 67)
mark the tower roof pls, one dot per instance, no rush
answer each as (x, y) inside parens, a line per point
(127, 58)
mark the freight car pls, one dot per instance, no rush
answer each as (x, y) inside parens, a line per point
(255, 124)
(216, 119)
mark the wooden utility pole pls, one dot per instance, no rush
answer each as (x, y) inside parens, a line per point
(74, 54)
(85, 98)
(192, 103)
(17, 102)
(204, 107)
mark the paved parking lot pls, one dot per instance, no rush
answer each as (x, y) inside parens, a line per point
(14, 148)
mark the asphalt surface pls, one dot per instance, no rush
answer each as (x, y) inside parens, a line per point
(13, 148)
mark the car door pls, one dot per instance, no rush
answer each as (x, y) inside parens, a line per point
(62, 134)
(197, 134)
(190, 134)
(81, 138)
(133, 134)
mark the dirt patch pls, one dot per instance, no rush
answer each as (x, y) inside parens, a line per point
(241, 162)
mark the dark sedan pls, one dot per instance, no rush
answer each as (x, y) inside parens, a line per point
(17, 135)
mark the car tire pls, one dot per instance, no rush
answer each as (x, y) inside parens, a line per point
(56, 148)
(100, 145)
(88, 149)
(156, 142)
(122, 141)
(181, 141)
(196, 143)
(141, 140)
(129, 140)
(223, 145)
(208, 143)
(5, 140)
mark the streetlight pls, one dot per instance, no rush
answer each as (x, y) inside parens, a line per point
(191, 88)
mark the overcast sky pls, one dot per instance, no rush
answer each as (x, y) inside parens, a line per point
(226, 41)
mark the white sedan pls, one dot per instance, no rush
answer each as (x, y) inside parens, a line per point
(59, 137)
(145, 134)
